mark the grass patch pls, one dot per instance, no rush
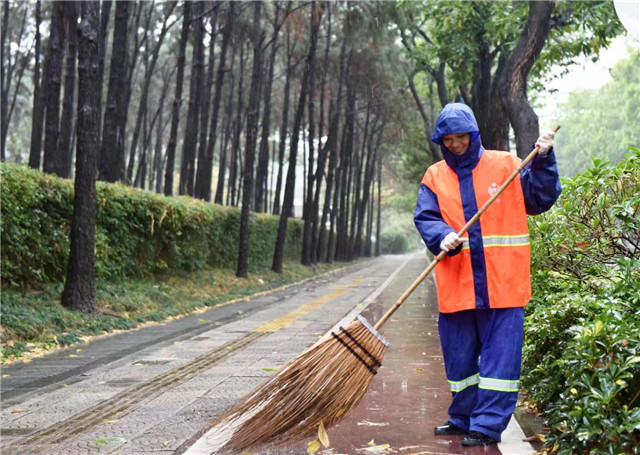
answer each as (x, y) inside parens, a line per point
(34, 322)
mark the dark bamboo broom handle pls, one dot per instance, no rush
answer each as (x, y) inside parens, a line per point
(464, 229)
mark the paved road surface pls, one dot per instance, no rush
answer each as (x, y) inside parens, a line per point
(156, 390)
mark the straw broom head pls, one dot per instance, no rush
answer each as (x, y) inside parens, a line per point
(322, 384)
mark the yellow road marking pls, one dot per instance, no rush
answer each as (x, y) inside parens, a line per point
(289, 318)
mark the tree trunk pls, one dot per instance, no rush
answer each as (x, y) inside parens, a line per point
(158, 159)
(287, 204)
(226, 127)
(332, 146)
(111, 159)
(148, 74)
(253, 111)
(496, 135)
(235, 147)
(366, 194)
(283, 128)
(103, 39)
(66, 122)
(345, 169)
(263, 157)
(79, 287)
(54, 69)
(200, 190)
(203, 181)
(177, 101)
(308, 217)
(38, 106)
(187, 170)
(514, 82)
(426, 121)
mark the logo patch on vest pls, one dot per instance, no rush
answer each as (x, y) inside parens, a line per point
(493, 189)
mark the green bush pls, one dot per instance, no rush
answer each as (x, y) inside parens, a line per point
(581, 357)
(394, 240)
(138, 233)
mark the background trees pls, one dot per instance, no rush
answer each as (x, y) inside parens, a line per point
(337, 99)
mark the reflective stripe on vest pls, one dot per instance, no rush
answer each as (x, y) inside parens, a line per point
(459, 386)
(501, 385)
(503, 237)
(502, 240)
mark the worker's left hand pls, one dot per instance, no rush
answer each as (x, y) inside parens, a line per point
(545, 142)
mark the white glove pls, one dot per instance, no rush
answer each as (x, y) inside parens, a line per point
(451, 241)
(545, 142)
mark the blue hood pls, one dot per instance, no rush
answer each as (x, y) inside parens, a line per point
(458, 118)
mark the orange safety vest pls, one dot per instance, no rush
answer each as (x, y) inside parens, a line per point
(505, 235)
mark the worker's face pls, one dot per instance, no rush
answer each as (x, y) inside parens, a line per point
(457, 143)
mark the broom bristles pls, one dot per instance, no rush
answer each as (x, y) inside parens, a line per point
(322, 384)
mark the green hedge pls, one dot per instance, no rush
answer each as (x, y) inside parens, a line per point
(138, 233)
(582, 330)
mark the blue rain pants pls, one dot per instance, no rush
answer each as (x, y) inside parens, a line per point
(482, 356)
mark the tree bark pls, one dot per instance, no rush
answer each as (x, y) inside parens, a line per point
(38, 106)
(148, 74)
(177, 101)
(287, 204)
(203, 180)
(263, 157)
(226, 127)
(308, 203)
(332, 146)
(235, 147)
(54, 69)
(103, 39)
(79, 288)
(203, 162)
(66, 121)
(345, 169)
(253, 111)
(283, 127)
(514, 82)
(111, 159)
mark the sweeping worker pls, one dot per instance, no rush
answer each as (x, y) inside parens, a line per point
(484, 281)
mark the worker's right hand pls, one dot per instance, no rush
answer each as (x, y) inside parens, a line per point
(451, 241)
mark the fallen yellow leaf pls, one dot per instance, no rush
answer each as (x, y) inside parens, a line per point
(322, 435)
(313, 446)
(15, 411)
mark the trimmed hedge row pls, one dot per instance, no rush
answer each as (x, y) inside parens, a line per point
(138, 233)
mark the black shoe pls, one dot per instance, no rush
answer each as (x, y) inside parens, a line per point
(475, 438)
(448, 429)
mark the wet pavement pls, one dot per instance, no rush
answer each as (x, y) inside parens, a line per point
(156, 390)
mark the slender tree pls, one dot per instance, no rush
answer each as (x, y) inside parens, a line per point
(199, 190)
(79, 287)
(190, 143)
(289, 68)
(150, 65)
(226, 128)
(54, 74)
(111, 158)
(66, 122)
(263, 157)
(204, 175)
(332, 146)
(177, 101)
(287, 204)
(307, 254)
(253, 111)
(38, 106)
